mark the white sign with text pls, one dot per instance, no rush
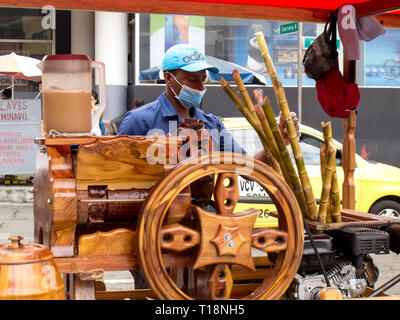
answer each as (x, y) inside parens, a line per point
(20, 124)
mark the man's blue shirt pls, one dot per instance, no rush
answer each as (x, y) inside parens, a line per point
(161, 115)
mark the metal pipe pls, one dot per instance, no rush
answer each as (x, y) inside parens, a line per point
(299, 72)
(385, 286)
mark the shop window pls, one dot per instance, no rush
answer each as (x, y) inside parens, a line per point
(382, 60)
(231, 40)
(26, 32)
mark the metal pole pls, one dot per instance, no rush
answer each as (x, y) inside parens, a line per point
(299, 71)
(137, 51)
(12, 87)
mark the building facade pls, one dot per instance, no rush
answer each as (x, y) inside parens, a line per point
(129, 43)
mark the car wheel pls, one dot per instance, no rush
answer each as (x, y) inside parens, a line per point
(386, 208)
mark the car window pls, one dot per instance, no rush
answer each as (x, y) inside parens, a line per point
(310, 148)
(248, 140)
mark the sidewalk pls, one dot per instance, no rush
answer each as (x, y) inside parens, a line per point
(17, 219)
(16, 194)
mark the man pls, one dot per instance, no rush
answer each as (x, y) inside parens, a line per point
(185, 75)
(103, 127)
(6, 94)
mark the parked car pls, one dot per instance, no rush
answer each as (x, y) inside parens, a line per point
(377, 185)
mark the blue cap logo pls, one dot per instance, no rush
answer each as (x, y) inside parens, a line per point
(186, 57)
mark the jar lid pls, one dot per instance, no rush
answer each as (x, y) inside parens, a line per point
(67, 57)
(18, 253)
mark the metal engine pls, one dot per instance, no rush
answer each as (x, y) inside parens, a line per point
(341, 275)
(347, 263)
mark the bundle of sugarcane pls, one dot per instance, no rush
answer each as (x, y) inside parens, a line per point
(292, 180)
(329, 208)
(264, 123)
(284, 107)
(246, 107)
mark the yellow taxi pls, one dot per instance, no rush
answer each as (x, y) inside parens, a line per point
(377, 185)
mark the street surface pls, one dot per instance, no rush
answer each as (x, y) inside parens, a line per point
(17, 219)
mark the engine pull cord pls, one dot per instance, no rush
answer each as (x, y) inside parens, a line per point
(316, 252)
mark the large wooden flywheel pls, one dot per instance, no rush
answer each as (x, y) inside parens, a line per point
(209, 244)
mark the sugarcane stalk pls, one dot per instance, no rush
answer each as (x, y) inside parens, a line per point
(323, 158)
(334, 193)
(327, 174)
(271, 141)
(257, 125)
(253, 120)
(335, 199)
(283, 105)
(243, 91)
(294, 181)
(326, 186)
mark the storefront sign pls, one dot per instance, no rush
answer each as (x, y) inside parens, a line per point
(309, 40)
(169, 30)
(20, 123)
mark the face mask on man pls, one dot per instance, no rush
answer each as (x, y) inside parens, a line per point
(188, 96)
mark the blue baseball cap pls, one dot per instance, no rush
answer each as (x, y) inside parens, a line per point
(186, 57)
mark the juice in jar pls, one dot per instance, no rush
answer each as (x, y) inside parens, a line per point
(67, 111)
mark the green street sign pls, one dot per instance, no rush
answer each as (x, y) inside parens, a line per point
(290, 27)
(308, 41)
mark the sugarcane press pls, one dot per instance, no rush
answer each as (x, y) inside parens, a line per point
(131, 203)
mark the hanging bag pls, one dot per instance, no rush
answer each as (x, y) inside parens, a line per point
(322, 54)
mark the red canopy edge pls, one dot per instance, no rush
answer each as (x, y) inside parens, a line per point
(312, 11)
(330, 5)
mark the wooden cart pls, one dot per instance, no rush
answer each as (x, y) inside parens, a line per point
(95, 220)
(104, 204)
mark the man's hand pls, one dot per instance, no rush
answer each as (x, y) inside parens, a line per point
(258, 97)
(282, 127)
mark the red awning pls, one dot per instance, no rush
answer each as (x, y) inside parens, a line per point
(311, 4)
(308, 4)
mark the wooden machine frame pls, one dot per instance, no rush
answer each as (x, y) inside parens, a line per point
(86, 265)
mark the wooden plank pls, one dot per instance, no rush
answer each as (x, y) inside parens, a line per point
(83, 289)
(252, 275)
(349, 149)
(63, 201)
(140, 294)
(374, 7)
(59, 141)
(117, 241)
(115, 262)
(386, 20)
(242, 290)
(124, 162)
(314, 225)
(350, 218)
(103, 262)
(243, 11)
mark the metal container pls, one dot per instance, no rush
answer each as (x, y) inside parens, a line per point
(28, 272)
